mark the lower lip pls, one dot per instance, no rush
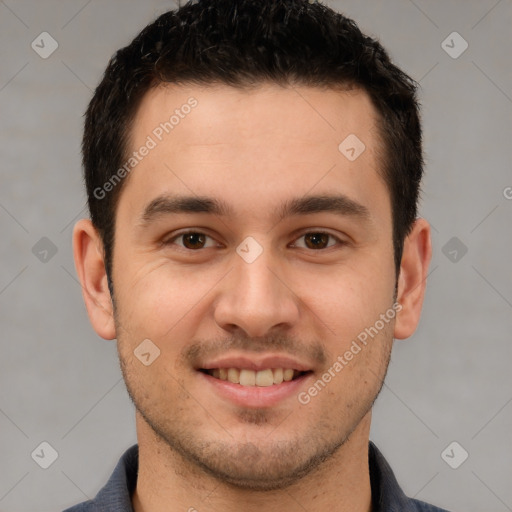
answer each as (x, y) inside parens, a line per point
(255, 396)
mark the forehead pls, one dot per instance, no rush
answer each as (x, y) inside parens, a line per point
(274, 140)
(290, 112)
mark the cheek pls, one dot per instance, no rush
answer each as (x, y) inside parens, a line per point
(161, 299)
(350, 298)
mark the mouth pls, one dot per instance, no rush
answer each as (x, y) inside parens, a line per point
(261, 378)
(255, 380)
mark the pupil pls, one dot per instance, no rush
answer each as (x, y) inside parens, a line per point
(195, 239)
(317, 239)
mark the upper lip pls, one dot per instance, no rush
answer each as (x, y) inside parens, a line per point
(256, 363)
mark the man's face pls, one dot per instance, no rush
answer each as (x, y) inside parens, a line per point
(249, 289)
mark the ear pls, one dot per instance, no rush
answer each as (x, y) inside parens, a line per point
(416, 258)
(90, 266)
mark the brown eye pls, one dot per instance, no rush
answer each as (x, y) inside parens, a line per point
(317, 240)
(191, 240)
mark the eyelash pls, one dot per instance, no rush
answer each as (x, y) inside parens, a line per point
(170, 241)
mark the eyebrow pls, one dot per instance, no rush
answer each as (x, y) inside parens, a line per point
(175, 204)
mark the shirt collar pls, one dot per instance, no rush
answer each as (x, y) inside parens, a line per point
(387, 496)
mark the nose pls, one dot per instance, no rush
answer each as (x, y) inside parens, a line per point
(256, 298)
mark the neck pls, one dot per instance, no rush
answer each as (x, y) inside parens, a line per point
(167, 482)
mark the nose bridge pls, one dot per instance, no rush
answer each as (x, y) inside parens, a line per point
(254, 298)
(257, 281)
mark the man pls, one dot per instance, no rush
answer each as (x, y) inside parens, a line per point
(253, 171)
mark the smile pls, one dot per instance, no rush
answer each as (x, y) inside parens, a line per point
(262, 378)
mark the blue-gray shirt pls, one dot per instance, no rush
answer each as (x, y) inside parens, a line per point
(387, 496)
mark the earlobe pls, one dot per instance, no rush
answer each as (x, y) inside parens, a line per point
(416, 258)
(90, 266)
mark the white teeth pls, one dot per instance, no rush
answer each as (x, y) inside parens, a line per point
(287, 374)
(234, 375)
(278, 376)
(262, 378)
(247, 377)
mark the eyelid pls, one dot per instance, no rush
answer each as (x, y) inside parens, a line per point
(324, 231)
(297, 235)
(177, 235)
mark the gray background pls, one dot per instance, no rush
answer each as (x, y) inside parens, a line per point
(60, 383)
